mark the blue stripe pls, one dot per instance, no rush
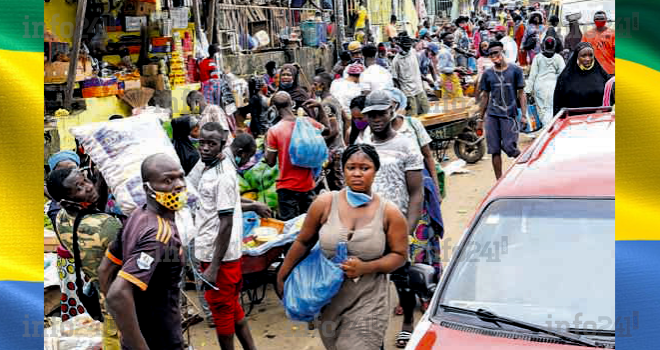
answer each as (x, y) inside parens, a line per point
(637, 294)
(22, 305)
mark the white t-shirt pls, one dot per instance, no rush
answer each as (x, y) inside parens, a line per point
(397, 156)
(376, 78)
(345, 91)
(219, 193)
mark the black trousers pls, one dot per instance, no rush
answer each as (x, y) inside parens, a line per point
(292, 204)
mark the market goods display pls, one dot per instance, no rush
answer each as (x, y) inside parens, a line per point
(258, 183)
(119, 147)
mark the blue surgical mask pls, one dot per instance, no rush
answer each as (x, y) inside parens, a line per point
(357, 199)
(237, 160)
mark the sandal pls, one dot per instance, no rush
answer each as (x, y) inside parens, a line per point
(402, 339)
(398, 310)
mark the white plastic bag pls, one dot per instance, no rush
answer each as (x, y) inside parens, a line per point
(119, 147)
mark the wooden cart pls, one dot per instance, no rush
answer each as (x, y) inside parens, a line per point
(455, 120)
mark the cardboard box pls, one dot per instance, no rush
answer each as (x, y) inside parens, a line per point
(150, 70)
(139, 8)
(133, 23)
(56, 72)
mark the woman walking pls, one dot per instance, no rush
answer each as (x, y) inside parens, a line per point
(375, 232)
(543, 78)
(582, 83)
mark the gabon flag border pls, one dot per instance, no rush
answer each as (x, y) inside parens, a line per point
(21, 179)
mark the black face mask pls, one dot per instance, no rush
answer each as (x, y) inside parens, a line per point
(499, 36)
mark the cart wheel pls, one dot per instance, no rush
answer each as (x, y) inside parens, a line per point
(470, 154)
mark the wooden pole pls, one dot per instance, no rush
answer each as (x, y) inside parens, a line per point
(73, 63)
(210, 22)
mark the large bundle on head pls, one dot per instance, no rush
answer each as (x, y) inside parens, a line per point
(119, 147)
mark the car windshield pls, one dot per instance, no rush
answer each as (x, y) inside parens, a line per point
(549, 262)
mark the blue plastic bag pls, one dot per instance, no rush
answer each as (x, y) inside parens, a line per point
(533, 120)
(250, 222)
(313, 283)
(472, 64)
(307, 148)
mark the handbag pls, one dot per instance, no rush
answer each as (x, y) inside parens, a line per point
(90, 302)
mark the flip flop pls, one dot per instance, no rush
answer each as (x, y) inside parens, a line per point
(402, 339)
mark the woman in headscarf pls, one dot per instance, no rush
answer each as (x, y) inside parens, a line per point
(290, 82)
(182, 128)
(582, 82)
(543, 78)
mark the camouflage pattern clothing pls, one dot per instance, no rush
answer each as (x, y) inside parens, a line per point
(95, 233)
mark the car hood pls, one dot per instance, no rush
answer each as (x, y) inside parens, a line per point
(437, 337)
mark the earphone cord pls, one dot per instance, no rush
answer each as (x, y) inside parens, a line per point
(514, 127)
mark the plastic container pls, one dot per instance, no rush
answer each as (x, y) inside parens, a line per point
(279, 225)
(309, 33)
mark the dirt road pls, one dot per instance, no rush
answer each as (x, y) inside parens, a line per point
(273, 331)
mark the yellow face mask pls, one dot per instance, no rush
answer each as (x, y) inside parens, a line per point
(169, 200)
(587, 68)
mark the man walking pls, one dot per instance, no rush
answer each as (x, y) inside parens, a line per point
(218, 244)
(295, 184)
(144, 299)
(602, 39)
(499, 109)
(408, 78)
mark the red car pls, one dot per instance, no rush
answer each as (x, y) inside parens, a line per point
(535, 269)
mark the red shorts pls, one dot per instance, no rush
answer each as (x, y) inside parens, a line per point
(224, 303)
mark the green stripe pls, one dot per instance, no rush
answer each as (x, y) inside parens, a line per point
(637, 37)
(17, 32)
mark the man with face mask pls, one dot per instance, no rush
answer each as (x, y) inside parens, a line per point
(408, 78)
(338, 121)
(399, 180)
(144, 298)
(510, 47)
(209, 112)
(95, 232)
(462, 40)
(218, 244)
(451, 85)
(602, 39)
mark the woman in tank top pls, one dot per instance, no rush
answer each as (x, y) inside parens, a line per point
(375, 232)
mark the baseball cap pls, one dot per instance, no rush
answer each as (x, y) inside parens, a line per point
(399, 97)
(433, 47)
(379, 100)
(500, 28)
(354, 46)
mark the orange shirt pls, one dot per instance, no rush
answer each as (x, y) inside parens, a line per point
(603, 43)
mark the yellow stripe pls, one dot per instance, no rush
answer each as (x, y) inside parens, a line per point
(113, 258)
(168, 235)
(127, 276)
(160, 228)
(21, 157)
(638, 163)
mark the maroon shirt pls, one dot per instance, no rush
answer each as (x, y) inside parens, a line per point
(153, 259)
